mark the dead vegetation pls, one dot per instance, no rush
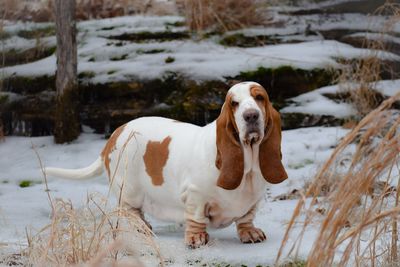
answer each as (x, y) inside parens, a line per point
(90, 236)
(221, 16)
(358, 225)
(358, 77)
(353, 201)
(42, 10)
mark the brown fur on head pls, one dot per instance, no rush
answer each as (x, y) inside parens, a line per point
(230, 159)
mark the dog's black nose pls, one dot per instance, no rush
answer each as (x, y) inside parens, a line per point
(251, 115)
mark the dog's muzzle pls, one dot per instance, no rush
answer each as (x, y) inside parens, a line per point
(253, 133)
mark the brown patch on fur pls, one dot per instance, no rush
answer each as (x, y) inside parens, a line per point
(255, 91)
(155, 158)
(110, 147)
(270, 148)
(230, 160)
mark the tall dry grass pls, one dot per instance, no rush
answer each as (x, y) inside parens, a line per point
(42, 11)
(91, 236)
(358, 78)
(353, 201)
(94, 234)
(359, 225)
(222, 15)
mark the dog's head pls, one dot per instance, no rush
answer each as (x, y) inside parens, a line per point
(248, 119)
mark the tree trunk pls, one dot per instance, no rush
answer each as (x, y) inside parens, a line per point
(67, 126)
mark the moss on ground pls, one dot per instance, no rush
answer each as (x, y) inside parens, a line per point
(119, 58)
(145, 36)
(25, 183)
(169, 60)
(241, 40)
(150, 51)
(175, 24)
(4, 35)
(38, 32)
(3, 99)
(29, 85)
(15, 57)
(86, 75)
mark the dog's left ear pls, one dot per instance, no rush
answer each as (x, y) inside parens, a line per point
(270, 149)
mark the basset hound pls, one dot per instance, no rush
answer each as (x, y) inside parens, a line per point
(204, 176)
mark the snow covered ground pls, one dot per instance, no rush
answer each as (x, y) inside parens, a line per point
(108, 58)
(20, 208)
(317, 102)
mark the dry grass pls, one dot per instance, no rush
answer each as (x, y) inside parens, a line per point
(91, 236)
(358, 78)
(221, 16)
(359, 218)
(42, 11)
(353, 202)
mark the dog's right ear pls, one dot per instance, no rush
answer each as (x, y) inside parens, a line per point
(230, 159)
(271, 165)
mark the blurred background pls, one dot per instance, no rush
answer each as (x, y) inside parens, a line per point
(178, 58)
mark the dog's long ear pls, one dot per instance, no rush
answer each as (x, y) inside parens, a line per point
(270, 149)
(230, 159)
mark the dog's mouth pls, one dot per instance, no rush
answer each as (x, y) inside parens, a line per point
(252, 138)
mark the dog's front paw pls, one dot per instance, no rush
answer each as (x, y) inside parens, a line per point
(251, 234)
(196, 240)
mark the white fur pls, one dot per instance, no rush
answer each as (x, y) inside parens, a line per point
(78, 174)
(241, 94)
(190, 174)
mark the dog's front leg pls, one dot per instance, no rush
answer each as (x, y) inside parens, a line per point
(246, 230)
(196, 222)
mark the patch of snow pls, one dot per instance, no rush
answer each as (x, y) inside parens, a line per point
(315, 102)
(130, 24)
(16, 26)
(300, 24)
(308, 5)
(21, 44)
(199, 60)
(376, 37)
(388, 87)
(115, 60)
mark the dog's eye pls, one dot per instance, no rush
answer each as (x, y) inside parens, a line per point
(259, 98)
(234, 103)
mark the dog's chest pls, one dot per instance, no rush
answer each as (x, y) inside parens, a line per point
(230, 205)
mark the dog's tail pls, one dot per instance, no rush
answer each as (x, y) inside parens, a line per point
(91, 171)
